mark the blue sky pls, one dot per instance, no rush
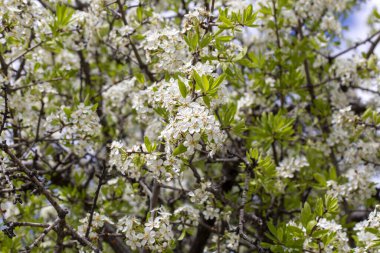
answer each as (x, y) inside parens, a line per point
(357, 23)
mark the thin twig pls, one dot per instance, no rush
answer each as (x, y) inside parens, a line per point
(82, 240)
(371, 50)
(49, 196)
(243, 201)
(155, 193)
(104, 172)
(42, 236)
(28, 224)
(356, 45)
(24, 53)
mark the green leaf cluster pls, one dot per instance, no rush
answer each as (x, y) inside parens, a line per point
(270, 128)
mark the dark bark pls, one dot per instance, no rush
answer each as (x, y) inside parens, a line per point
(116, 243)
(230, 171)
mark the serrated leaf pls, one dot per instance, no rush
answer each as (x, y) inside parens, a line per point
(331, 204)
(280, 234)
(319, 207)
(320, 179)
(272, 228)
(306, 214)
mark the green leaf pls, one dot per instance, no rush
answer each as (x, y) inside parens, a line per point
(280, 234)
(162, 112)
(226, 22)
(140, 78)
(224, 38)
(67, 111)
(271, 128)
(266, 245)
(247, 12)
(332, 173)
(148, 144)
(310, 225)
(63, 15)
(179, 150)
(205, 41)
(37, 65)
(238, 128)
(198, 80)
(375, 244)
(306, 214)
(272, 228)
(331, 204)
(124, 154)
(328, 239)
(320, 233)
(215, 85)
(319, 207)
(374, 231)
(240, 54)
(248, 17)
(192, 39)
(139, 14)
(376, 13)
(227, 114)
(206, 84)
(320, 179)
(182, 88)
(207, 101)
(295, 231)
(183, 234)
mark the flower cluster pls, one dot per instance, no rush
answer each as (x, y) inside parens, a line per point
(97, 223)
(315, 9)
(155, 234)
(193, 124)
(367, 233)
(344, 116)
(201, 195)
(358, 188)
(127, 161)
(115, 95)
(229, 115)
(195, 18)
(291, 165)
(131, 161)
(168, 48)
(186, 215)
(338, 237)
(167, 95)
(72, 123)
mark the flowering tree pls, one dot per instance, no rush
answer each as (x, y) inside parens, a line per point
(187, 126)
